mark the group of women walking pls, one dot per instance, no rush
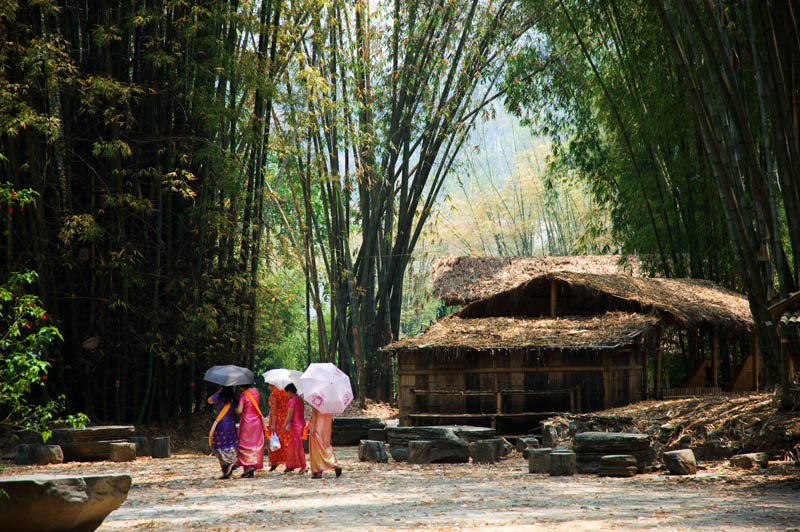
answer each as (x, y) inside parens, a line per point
(285, 423)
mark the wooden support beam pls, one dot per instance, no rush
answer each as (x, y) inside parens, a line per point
(694, 348)
(608, 397)
(755, 361)
(714, 359)
(553, 297)
(657, 376)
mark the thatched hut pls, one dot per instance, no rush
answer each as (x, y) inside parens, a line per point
(462, 280)
(510, 372)
(558, 341)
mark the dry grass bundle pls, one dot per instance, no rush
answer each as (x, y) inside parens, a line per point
(575, 332)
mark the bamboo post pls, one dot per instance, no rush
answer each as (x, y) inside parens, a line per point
(755, 362)
(784, 366)
(657, 376)
(553, 298)
(714, 358)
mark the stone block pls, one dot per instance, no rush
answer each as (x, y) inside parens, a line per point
(617, 465)
(549, 436)
(563, 463)
(483, 452)
(98, 433)
(539, 460)
(446, 445)
(49, 454)
(32, 454)
(527, 442)
(377, 434)
(143, 445)
(750, 460)
(122, 452)
(372, 451)
(680, 462)
(590, 447)
(42, 503)
(419, 451)
(87, 451)
(161, 448)
(351, 430)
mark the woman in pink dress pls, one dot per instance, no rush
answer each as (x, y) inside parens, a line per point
(294, 424)
(251, 432)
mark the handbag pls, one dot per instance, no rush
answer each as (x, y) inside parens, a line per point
(274, 442)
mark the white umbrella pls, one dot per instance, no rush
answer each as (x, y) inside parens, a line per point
(280, 377)
(326, 388)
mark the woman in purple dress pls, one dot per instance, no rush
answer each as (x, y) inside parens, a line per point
(223, 437)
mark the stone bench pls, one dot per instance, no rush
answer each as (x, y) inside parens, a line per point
(351, 430)
(449, 443)
(42, 503)
(590, 447)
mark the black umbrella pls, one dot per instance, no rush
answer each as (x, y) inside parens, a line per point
(229, 375)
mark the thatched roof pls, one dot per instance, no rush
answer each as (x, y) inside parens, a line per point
(605, 331)
(689, 303)
(461, 280)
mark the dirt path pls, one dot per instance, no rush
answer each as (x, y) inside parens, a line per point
(181, 493)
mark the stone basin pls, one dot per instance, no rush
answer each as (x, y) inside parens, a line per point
(46, 503)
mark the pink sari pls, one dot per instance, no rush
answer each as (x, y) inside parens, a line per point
(251, 431)
(320, 450)
(295, 454)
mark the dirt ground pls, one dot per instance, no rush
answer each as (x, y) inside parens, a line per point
(182, 493)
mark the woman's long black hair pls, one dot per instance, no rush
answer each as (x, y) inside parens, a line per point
(227, 394)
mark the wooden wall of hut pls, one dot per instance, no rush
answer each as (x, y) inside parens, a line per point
(512, 389)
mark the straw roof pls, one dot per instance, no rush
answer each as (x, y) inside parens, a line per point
(461, 280)
(689, 303)
(606, 331)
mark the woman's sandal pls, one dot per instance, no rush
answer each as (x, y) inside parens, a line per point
(338, 471)
(302, 471)
(228, 470)
(249, 472)
(316, 475)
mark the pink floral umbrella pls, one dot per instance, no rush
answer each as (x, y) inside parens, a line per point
(326, 388)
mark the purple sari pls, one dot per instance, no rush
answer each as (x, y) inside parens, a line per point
(225, 439)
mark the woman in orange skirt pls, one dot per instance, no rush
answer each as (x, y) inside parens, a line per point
(320, 450)
(278, 407)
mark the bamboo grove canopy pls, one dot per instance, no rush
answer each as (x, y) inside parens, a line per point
(688, 303)
(462, 280)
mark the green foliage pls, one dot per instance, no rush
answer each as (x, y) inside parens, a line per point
(26, 338)
(620, 123)
(282, 339)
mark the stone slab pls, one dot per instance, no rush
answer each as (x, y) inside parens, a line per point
(446, 446)
(87, 451)
(372, 451)
(99, 433)
(680, 462)
(122, 452)
(42, 503)
(351, 430)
